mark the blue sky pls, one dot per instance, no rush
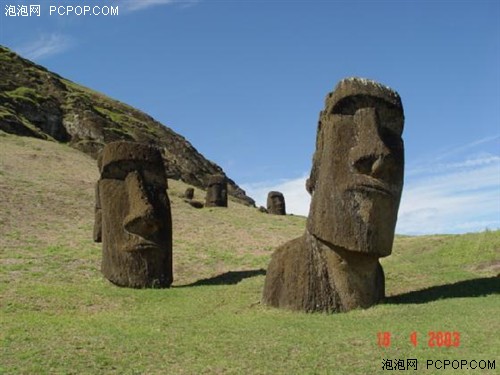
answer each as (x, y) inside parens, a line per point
(244, 82)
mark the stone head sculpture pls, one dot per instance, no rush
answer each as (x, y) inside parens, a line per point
(356, 183)
(357, 175)
(216, 191)
(133, 218)
(276, 203)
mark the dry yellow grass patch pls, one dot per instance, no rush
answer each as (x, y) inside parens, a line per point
(47, 200)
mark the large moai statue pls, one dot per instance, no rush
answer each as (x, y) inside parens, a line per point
(276, 203)
(216, 191)
(356, 183)
(133, 219)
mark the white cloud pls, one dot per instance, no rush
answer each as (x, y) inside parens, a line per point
(452, 202)
(475, 162)
(455, 192)
(135, 5)
(46, 45)
(431, 167)
(468, 146)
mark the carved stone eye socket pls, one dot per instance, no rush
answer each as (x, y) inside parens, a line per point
(390, 116)
(392, 140)
(119, 171)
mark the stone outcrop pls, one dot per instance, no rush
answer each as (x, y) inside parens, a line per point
(356, 183)
(133, 219)
(189, 193)
(37, 103)
(195, 203)
(188, 198)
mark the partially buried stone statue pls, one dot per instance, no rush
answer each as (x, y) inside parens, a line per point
(356, 183)
(189, 193)
(216, 191)
(133, 218)
(276, 203)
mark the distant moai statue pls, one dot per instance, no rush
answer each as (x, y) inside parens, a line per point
(356, 183)
(189, 193)
(216, 191)
(133, 218)
(276, 203)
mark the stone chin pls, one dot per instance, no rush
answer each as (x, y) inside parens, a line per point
(363, 220)
(374, 221)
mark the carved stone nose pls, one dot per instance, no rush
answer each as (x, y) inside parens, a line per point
(370, 156)
(141, 219)
(371, 165)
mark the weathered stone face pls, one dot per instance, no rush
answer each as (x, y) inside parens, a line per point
(216, 191)
(276, 203)
(357, 174)
(134, 210)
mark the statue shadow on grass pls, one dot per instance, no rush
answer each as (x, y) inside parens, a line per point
(227, 278)
(467, 288)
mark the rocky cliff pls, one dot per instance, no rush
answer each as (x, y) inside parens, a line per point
(37, 103)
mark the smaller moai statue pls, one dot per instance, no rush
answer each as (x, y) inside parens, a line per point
(132, 216)
(216, 191)
(189, 193)
(276, 203)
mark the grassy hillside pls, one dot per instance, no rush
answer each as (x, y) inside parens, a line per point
(59, 316)
(38, 103)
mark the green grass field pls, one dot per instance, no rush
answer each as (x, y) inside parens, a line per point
(59, 316)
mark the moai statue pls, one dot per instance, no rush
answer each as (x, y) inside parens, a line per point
(189, 193)
(276, 203)
(356, 183)
(133, 219)
(216, 191)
